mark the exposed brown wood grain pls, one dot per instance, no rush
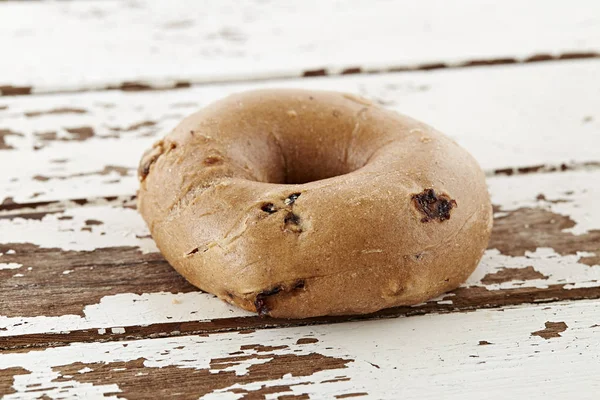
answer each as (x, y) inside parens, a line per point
(526, 229)
(293, 397)
(9, 205)
(81, 133)
(136, 86)
(143, 86)
(7, 377)
(133, 127)
(511, 274)
(348, 395)
(552, 330)
(544, 168)
(259, 348)
(9, 90)
(464, 299)
(337, 379)
(191, 383)
(307, 340)
(107, 170)
(61, 110)
(3, 134)
(45, 290)
(33, 215)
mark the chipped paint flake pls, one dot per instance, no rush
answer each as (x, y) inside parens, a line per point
(55, 231)
(10, 266)
(127, 309)
(552, 330)
(511, 194)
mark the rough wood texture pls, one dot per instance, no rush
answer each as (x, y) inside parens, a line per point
(88, 145)
(85, 272)
(503, 354)
(89, 308)
(134, 45)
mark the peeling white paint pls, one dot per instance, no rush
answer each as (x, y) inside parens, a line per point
(577, 193)
(501, 118)
(531, 130)
(414, 359)
(120, 227)
(128, 309)
(10, 266)
(557, 268)
(257, 40)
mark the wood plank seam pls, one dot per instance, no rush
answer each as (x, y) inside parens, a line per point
(10, 208)
(376, 357)
(136, 86)
(511, 298)
(545, 246)
(501, 119)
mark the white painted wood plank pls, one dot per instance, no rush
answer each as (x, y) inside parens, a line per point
(506, 116)
(565, 226)
(76, 45)
(535, 352)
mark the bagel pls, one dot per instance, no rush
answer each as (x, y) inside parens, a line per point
(295, 204)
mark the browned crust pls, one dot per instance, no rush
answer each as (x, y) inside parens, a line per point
(268, 188)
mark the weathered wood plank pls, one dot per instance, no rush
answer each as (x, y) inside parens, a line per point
(87, 145)
(521, 352)
(140, 45)
(90, 272)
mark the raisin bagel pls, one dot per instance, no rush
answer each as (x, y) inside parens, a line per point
(296, 204)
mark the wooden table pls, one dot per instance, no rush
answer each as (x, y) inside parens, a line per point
(90, 309)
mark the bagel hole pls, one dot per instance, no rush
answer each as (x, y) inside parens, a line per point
(295, 159)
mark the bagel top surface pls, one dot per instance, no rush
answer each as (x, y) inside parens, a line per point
(300, 203)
